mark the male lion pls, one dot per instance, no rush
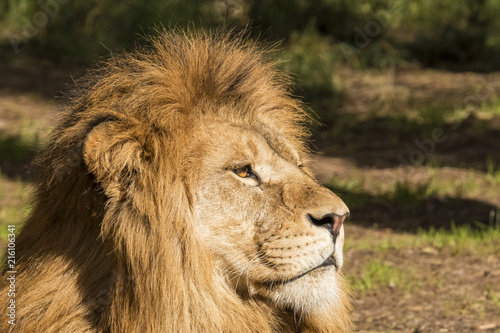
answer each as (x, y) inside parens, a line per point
(174, 197)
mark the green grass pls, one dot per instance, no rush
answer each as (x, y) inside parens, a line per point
(406, 193)
(476, 239)
(381, 243)
(460, 240)
(11, 216)
(494, 107)
(14, 203)
(377, 274)
(391, 30)
(354, 192)
(20, 142)
(312, 59)
(494, 296)
(434, 187)
(16, 147)
(493, 171)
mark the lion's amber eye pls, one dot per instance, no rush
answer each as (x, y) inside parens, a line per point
(243, 172)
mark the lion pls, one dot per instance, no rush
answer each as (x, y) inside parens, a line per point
(175, 196)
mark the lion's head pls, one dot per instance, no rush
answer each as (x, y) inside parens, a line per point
(273, 230)
(191, 207)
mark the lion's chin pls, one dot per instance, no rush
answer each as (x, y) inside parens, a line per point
(313, 291)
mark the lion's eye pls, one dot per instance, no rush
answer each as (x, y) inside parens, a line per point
(243, 172)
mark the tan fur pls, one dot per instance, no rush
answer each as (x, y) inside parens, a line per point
(140, 223)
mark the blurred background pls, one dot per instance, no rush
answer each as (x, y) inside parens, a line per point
(408, 94)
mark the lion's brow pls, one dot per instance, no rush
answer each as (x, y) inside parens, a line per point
(280, 146)
(276, 142)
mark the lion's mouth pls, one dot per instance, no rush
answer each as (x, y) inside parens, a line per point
(330, 261)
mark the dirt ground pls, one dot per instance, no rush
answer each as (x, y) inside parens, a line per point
(449, 293)
(438, 290)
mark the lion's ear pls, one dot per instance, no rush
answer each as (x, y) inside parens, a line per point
(112, 153)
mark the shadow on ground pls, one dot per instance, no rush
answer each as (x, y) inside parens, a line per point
(410, 214)
(387, 142)
(15, 156)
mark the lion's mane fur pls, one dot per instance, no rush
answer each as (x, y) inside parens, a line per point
(109, 245)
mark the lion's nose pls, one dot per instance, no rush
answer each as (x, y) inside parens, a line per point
(331, 221)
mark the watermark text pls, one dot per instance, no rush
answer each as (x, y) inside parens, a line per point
(11, 274)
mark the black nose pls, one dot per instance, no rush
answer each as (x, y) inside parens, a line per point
(331, 221)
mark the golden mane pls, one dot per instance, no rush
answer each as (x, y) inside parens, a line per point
(110, 244)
